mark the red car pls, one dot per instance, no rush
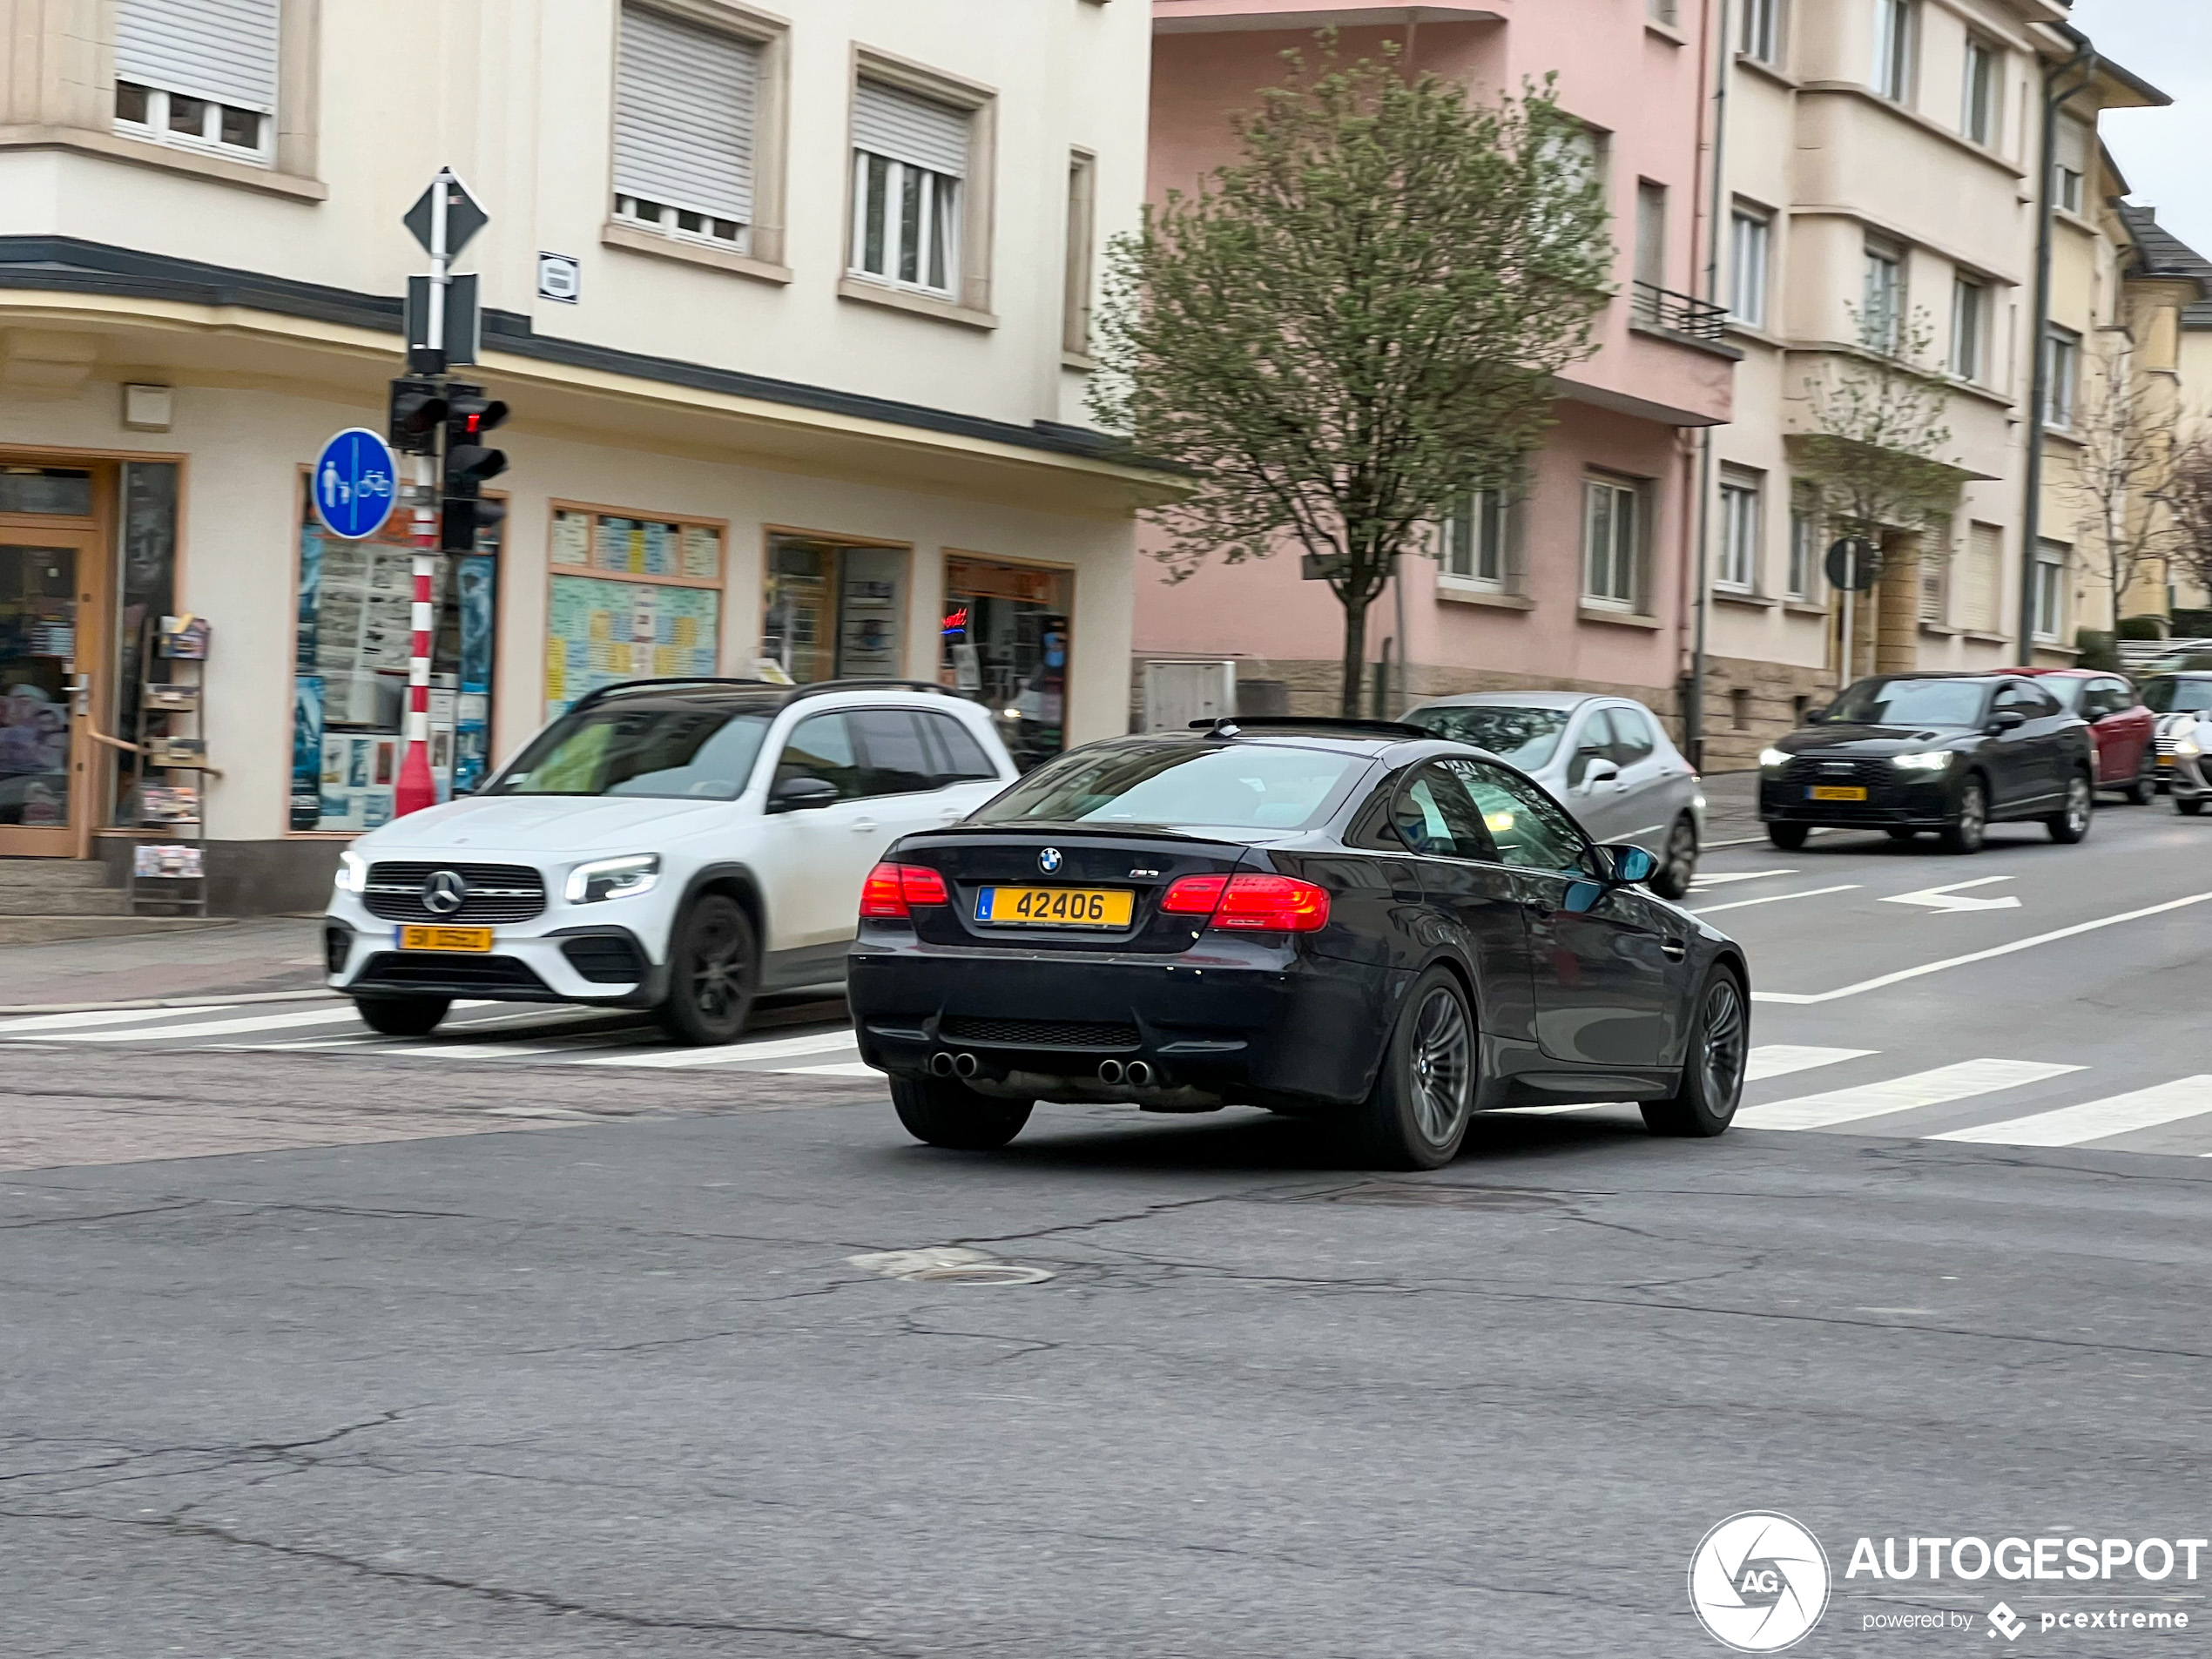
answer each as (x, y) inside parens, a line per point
(2119, 724)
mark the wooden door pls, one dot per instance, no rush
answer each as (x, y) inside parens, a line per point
(55, 632)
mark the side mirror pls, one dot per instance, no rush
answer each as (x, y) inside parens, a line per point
(802, 795)
(1625, 864)
(1599, 772)
(2006, 720)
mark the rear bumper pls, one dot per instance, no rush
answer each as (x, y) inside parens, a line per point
(1238, 1021)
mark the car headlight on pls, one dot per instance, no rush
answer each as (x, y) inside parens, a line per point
(1773, 759)
(613, 879)
(353, 873)
(1929, 760)
(2187, 743)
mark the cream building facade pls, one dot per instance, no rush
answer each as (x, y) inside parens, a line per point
(790, 307)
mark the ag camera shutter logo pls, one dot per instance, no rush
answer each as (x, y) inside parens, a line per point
(1758, 1582)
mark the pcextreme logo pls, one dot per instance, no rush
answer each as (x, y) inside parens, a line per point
(1759, 1583)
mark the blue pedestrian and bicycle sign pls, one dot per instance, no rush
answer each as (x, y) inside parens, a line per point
(356, 484)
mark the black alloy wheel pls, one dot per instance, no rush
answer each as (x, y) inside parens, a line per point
(1712, 1072)
(713, 973)
(2144, 788)
(943, 1111)
(402, 1016)
(1416, 1117)
(1969, 823)
(1788, 837)
(2071, 822)
(1678, 865)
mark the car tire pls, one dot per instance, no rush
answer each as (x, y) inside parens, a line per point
(402, 1016)
(1969, 823)
(713, 973)
(2070, 823)
(1416, 1115)
(1788, 837)
(2144, 789)
(943, 1111)
(1678, 864)
(1712, 1075)
(2188, 805)
(1898, 832)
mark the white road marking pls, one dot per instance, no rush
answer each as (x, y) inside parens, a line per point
(2096, 1120)
(482, 1050)
(98, 1016)
(1554, 1111)
(1771, 898)
(852, 1068)
(1946, 899)
(214, 1028)
(783, 1048)
(1721, 879)
(1961, 1082)
(1780, 1059)
(1800, 999)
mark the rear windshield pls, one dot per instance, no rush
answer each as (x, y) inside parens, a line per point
(1235, 786)
(1911, 703)
(679, 754)
(1524, 736)
(2166, 695)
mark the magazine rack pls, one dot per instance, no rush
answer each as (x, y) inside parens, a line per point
(169, 876)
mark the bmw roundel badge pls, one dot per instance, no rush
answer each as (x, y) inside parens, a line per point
(1049, 861)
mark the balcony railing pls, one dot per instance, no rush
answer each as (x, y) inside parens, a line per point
(1678, 313)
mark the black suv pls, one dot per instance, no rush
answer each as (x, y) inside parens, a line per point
(1947, 753)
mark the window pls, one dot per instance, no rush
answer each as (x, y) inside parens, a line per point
(1661, 10)
(1633, 737)
(1652, 233)
(1612, 539)
(1895, 26)
(1980, 105)
(632, 597)
(958, 758)
(909, 160)
(1474, 540)
(1435, 816)
(2033, 701)
(1935, 579)
(832, 609)
(2070, 166)
(2049, 598)
(1524, 734)
(821, 746)
(669, 753)
(1082, 209)
(1969, 328)
(1594, 742)
(199, 74)
(1752, 232)
(1805, 544)
(2062, 373)
(1171, 781)
(1982, 580)
(685, 103)
(1528, 827)
(1759, 30)
(1882, 312)
(1739, 549)
(898, 761)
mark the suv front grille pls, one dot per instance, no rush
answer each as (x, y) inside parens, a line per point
(1041, 1034)
(496, 892)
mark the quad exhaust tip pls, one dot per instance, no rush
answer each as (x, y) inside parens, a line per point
(964, 1065)
(1138, 1073)
(940, 1065)
(1109, 1071)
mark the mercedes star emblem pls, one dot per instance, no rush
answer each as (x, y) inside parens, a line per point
(444, 892)
(1049, 861)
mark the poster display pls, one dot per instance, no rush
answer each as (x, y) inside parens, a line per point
(600, 631)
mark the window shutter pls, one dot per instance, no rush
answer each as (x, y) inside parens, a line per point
(1985, 554)
(224, 50)
(887, 122)
(684, 115)
(2074, 146)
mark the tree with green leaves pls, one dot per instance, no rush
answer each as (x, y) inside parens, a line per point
(1872, 456)
(1361, 316)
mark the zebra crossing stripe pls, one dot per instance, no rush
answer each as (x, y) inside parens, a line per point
(213, 1028)
(98, 1016)
(1780, 1059)
(1961, 1082)
(734, 1053)
(2096, 1120)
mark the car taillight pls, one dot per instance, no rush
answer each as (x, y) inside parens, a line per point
(891, 889)
(1250, 903)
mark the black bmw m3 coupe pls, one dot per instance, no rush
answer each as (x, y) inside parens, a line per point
(1324, 918)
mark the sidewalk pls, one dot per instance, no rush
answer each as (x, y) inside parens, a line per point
(1732, 807)
(251, 957)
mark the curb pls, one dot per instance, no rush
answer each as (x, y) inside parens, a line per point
(215, 1000)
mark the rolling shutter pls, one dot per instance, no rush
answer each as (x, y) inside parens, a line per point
(887, 122)
(225, 50)
(684, 115)
(1985, 557)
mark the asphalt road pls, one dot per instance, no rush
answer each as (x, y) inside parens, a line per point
(352, 1350)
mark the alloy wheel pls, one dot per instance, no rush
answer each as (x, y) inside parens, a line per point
(2077, 806)
(1973, 815)
(1722, 1059)
(715, 970)
(1441, 1061)
(1682, 857)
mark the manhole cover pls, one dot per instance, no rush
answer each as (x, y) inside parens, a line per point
(980, 1273)
(1436, 1196)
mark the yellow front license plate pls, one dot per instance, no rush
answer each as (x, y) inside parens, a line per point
(1054, 907)
(467, 939)
(1836, 791)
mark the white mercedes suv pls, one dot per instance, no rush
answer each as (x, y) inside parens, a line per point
(674, 845)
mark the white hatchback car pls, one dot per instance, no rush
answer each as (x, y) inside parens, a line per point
(677, 846)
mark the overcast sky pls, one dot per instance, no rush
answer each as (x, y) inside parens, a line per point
(2166, 154)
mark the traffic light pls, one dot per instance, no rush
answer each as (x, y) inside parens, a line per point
(418, 410)
(469, 417)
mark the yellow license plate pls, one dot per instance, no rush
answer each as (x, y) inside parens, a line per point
(1836, 791)
(467, 939)
(1055, 907)
(2165, 762)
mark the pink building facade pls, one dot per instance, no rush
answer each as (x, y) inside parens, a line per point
(1582, 576)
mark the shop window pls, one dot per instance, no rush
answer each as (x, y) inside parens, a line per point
(355, 634)
(633, 597)
(832, 609)
(1006, 640)
(145, 594)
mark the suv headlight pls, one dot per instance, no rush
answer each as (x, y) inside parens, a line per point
(2186, 741)
(1929, 760)
(353, 873)
(613, 879)
(1773, 759)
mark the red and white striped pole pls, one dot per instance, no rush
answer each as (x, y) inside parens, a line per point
(417, 788)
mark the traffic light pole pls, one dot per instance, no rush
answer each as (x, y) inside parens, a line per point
(415, 787)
